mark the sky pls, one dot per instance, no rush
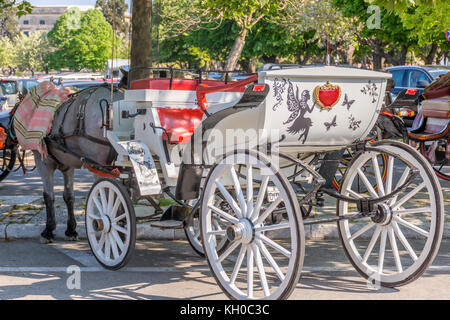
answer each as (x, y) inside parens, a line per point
(65, 2)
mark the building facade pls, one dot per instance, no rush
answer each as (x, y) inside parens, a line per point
(43, 18)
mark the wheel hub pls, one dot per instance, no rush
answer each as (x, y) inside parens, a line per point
(243, 231)
(103, 224)
(383, 214)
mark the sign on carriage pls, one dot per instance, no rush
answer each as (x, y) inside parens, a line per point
(144, 167)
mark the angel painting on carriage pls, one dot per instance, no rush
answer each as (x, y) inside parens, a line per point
(244, 201)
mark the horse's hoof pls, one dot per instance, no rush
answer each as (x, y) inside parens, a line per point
(46, 241)
(71, 238)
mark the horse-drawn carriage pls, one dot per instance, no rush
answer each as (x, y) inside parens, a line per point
(246, 161)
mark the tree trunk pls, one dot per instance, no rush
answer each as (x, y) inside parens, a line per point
(236, 50)
(350, 53)
(403, 54)
(430, 57)
(141, 39)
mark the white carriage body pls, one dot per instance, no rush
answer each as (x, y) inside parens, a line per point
(351, 118)
(291, 114)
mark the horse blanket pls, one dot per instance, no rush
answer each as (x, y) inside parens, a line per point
(34, 116)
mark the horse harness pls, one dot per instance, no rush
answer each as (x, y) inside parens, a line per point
(80, 130)
(59, 139)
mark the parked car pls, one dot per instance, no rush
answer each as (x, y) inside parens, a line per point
(3, 103)
(10, 90)
(414, 77)
(410, 82)
(83, 84)
(11, 87)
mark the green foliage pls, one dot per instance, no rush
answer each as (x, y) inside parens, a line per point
(6, 52)
(31, 52)
(81, 41)
(428, 24)
(401, 6)
(8, 22)
(22, 7)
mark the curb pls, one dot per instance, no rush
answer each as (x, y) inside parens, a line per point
(146, 232)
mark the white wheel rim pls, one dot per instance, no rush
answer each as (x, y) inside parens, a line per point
(107, 204)
(405, 256)
(194, 232)
(272, 260)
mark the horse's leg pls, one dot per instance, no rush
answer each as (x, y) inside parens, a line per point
(46, 170)
(69, 199)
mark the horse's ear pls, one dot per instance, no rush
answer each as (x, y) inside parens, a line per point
(124, 80)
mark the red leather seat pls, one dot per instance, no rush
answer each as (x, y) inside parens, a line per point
(180, 124)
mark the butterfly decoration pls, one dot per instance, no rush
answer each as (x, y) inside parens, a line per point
(353, 124)
(333, 123)
(371, 89)
(347, 102)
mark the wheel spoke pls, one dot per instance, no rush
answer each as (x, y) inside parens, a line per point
(400, 182)
(389, 174)
(223, 214)
(395, 252)
(412, 227)
(101, 242)
(227, 252)
(114, 209)
(98, 205)
(277, 226)
(372, 242)
(403, 240)
(261, 271)
(107, 247)
(103, 199)
(270, 259)
(117, 219)
(274, 245)
(118, 240)
(367, 183)
(249, 190)
(93, 216)
(268, 211)
(120, 229)
(110, 202)
(115, 252)
(361, 231)
(238, 191)
(355, 194)
(382, 251)
(260, 198)
(238, 264)
(216, 233)
(250, 264)
(376, 168)
(229, 199)
(408, 196)
(413, 211)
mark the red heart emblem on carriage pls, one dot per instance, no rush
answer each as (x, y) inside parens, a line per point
(327, 95)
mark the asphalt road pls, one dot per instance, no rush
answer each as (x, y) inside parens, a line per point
(171, 270)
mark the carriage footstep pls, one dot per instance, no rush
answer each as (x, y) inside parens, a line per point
(168, 224)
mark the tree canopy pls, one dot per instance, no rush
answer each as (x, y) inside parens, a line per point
(81, 41)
